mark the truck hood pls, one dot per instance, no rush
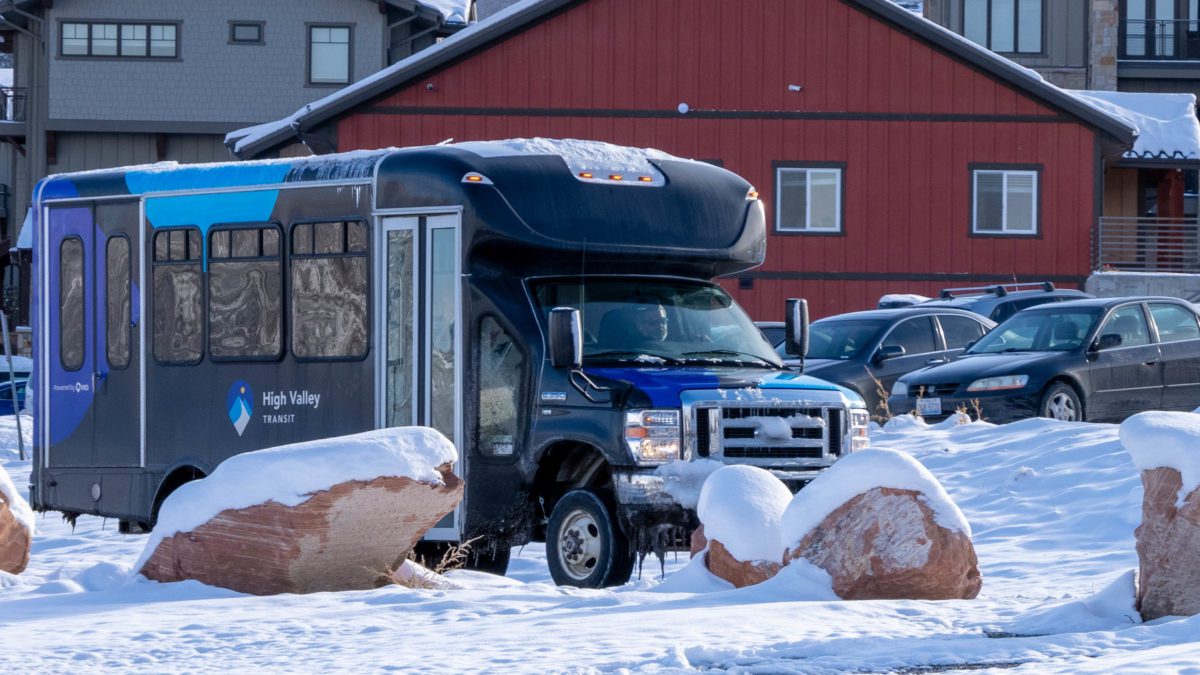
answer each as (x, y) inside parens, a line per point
(662, 386)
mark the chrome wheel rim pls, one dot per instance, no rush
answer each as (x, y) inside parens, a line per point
(579, 544)
(1062, 407)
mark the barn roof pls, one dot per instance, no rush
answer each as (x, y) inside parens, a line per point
(253, 141)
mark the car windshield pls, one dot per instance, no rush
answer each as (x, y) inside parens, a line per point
(658, 321)
(843, 340)
(1060, 330)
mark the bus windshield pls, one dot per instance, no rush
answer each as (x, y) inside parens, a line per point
(658, 321)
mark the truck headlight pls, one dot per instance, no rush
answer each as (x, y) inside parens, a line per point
(859, 423)
(900, 388)
(999, 383)
(652, 435)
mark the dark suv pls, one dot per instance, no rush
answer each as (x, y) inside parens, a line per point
(864, 351)
(1003, 300)
(1100, 359)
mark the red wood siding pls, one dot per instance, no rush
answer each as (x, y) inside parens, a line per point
(905, 118)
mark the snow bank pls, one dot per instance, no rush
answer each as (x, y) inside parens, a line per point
(741, 507)
(900, 299)
(1110, 609)
(683, 480)
(16, 503)
(857, 473)
(1165, 439)
(290, 474)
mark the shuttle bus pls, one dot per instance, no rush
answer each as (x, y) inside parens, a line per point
(549, 306)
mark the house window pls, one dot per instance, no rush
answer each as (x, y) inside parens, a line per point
(1006, 26)
(178, 296)
(329, 273)
(245, 32)
(808, 199)
(1005, 202)
(116, 39)
(245, 288)
(329, 54)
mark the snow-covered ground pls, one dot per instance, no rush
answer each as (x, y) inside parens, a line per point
(1052, 507)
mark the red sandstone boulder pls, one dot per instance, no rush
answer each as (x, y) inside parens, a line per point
(698, 540)
(1168, 547)
(351, 536)
(16, 528)
(886, 543)
(723, 564)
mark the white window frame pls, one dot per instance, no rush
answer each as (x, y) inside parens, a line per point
(806, 227)
(311, 54)
(1005, 230)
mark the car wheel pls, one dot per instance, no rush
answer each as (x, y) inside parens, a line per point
(584, 545)
(1060, 402)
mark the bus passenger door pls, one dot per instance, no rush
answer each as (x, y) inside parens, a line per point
(69, 358)
(116, 334)
(420, 332)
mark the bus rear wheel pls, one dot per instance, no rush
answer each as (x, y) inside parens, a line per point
(584, 544)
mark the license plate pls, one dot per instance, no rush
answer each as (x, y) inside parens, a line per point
(929, 406)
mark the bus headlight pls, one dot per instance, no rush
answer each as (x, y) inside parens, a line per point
(652, 435)
(860, 421)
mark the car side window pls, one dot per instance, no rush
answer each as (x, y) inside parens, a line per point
(1174, 322)
(960, 331)
(915, 335)
(1130, 323)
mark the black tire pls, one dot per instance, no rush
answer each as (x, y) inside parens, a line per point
(584, 544)
(1060, 401)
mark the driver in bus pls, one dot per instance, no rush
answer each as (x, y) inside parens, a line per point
(650, 324)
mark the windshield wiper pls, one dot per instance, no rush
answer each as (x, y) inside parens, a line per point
(731, 352)
(618, 354)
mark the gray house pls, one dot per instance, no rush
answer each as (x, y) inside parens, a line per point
(98, 83)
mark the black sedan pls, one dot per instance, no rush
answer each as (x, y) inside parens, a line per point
(867, 351)
(1100, 359)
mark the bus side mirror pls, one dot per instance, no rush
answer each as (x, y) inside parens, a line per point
(566, 338)
(796, 322)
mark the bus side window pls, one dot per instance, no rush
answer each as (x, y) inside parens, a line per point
(70, 303)
(178, 297)
(245, 307)
(500, 365)
(118, 298)
(329, 297)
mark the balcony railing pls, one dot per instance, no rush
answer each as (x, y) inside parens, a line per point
(1149, 244)
(1159, 40)
(12, 104)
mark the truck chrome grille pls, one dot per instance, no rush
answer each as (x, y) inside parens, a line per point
(768, 436)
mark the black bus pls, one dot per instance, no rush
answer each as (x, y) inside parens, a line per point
(547, 305)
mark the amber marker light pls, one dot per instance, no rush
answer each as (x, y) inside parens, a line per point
(752, 194)
(645, 179)
(475, 178)
(615, 176)
(586, 174)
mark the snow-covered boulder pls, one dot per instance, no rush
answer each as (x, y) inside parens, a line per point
(16, 527)
(740, 508)
(883, 528)
(328, 515)
(1165, 447)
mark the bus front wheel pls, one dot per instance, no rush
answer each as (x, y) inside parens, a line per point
(585, 546)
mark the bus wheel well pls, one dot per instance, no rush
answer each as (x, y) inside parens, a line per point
(566, 466)
(177, 477)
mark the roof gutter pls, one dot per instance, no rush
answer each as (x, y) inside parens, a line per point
(484, 36)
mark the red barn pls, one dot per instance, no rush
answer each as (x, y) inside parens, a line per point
(892, 155)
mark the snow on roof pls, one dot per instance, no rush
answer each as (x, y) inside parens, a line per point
(1165, 439)
(857, 473)
(1166, 123)
(741, 506)
(25, 236)
(249, 135)
(290, 474)
(16, 503)
(453, 11)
